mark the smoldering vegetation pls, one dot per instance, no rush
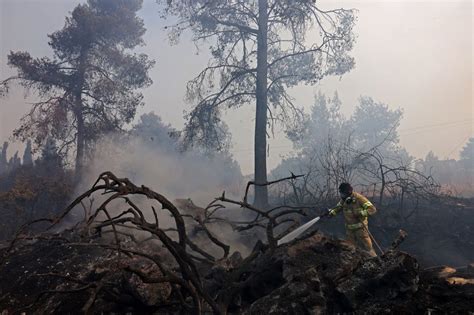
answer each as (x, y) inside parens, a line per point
(107, 214)
(118, 258)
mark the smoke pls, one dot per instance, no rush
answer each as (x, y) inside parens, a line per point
(171, 173)
(157, 164)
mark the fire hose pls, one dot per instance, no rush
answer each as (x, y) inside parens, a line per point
(373, 239)
(300, 230)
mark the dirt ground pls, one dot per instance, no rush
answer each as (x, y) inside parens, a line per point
(316, 275)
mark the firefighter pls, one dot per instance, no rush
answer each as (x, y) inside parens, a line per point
(356, 209)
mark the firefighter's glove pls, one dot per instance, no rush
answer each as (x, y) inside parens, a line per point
(332, 212)
(364, 213)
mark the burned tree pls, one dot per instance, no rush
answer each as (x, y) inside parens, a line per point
(89, 86)
(172, 249)
(166, 270)
(334, 149)
(395, 178)
(259, 49)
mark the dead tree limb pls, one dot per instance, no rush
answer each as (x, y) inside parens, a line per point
(183, 273)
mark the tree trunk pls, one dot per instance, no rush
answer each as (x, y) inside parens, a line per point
(80, 141)
(382, 189)
(260, 144)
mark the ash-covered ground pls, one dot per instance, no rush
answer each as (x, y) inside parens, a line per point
(315, 275)
(178, 261)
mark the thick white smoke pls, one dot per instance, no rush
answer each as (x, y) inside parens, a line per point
(174, 174)
(171, 173)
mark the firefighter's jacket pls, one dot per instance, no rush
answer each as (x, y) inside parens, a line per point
(356, 209)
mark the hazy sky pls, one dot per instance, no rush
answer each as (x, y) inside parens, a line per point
(414, 55)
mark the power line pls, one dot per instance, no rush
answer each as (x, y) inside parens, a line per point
(438, 124)
(426, 128)
(435, 128)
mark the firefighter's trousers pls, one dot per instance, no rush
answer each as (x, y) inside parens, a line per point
(361, 239)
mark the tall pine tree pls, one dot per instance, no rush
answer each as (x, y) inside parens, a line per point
(259, 50)
(89, 86)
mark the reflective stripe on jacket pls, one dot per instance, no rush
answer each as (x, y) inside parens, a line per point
(356, 209)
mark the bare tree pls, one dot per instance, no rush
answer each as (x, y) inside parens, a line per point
(396, 178)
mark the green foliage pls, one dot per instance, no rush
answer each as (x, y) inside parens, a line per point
(325, 120)
(374, 123)
(153, 131)
(332, 148)
(28, 155)
(32, 191)
(467, 154)
(304, 43)
(89, 85)
(3, 158)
